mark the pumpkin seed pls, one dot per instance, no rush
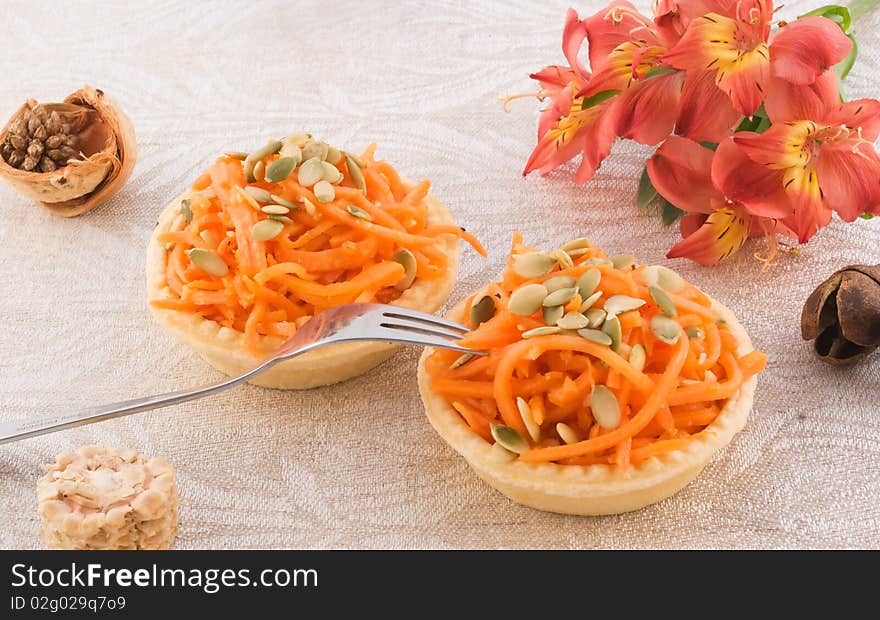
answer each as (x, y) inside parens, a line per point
(533, 264)
(354, 171)
(581, 243)
(324, 192)
(567, 433)
(284, 202)
(560, 296)
(623, 261)
(589, 301)
(208, 261)
(316, 149)
(408, 260)
(665, 329)
(500, 454)
(526, 300)
(298, 140)
(693, 332)
(546, 330)
(186, 210)
(310, 207)
(573, 320)
(264, 151)
(482, 309)
(595, 335)
(596, 316)
(664, 277)
(258, 193)
(461, 360)
(611, 326)
(553, 314)
(235, 155)
(360, 163)
(605, 408)
(310, 172)
(334, 156)
(525, 412)
(275, 209)
(281, 218)
(637, 357)
(248, 198)
(280, 169)
(293, 152)
(624, 350)
(618, 304)
(356, 211)
(662, 300)
(563, 259)
(266, 229)
(558, 282)
(598, 261)
(331, 173)
(588, 282)
(509, 438)
(260, 171)
(578, 252)
(249, 170)
(208, 237)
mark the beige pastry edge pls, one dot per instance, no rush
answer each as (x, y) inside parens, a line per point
(224, 349)
(595, 489)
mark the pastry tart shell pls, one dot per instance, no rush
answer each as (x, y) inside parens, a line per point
(224, 348)
(593, 489)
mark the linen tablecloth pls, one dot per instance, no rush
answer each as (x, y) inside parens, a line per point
(357, 465)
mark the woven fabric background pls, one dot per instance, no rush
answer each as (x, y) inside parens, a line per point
(357, 465)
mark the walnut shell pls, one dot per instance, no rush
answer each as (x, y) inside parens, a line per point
(106, 139)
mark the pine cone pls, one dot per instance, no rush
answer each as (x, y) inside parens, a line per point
(39, 141)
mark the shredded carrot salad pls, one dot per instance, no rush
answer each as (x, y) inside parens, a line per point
(344, 249)
(613, 366)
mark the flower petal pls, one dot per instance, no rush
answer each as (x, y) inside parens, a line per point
(849, 176)
(680, 170)
(786, 101)
(758, 188)
(780, 147)
(861, 114)
(705, 114)
(617, 23)
(806, 48)
(810, 212)
(599, 137)
(721, 236)
(646, 112)
(573, 36)
(554, 78)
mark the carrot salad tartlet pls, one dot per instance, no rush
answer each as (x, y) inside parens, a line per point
(606, 386)
(263, 241)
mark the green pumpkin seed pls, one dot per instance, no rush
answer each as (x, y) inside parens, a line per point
(264, 151)
(360, 163)
(553, 314)
(208, 237)
(509, 438)
(605, 408)
(665, 329)
(331, 173)
(557, 282)
(324, 192)
(533, 264)
(311, 171)
(316, 149)
(693, 332)
(280, 169)
(573, 320)
(526, 300)
(567, 433)
(578, 252)
(461, 360)
(281, 218)
(598, 261)
(260, 171)
(248, 198)
(596, 316)
(589, 301)
(595, 335)
(249, 170)
(623, 261)
(618, 304)
(662, 300)
(284, 202)
(408, 260)
(236, 155)
(355, 211)
(560, 297)
(581, 243)
(563, 259)
(334, 156)
(186, 210)
(258, 193)
(208, 261)
(545, 330)
(611, 326)
(275, 209)
(354, 171)
(664, 277)
(482, 309)
(637, 357)
(588, 282)
(266, 229)
(298, 140)
(310, 207)
(525, 412)
(293, 152)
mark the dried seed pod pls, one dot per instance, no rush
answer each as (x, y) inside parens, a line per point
(842, 316)
(88, 128)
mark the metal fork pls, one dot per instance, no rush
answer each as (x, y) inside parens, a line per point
(349, 323)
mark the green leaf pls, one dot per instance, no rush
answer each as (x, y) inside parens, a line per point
(857, 8)
(670, 212)
(843, 68)
(758, 122)
(647, 192)
(659, 71)
(867, 216)
(835, 12)
(593, 100)
(712, 146)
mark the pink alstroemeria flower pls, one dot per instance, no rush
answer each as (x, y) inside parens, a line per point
(728, 198)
